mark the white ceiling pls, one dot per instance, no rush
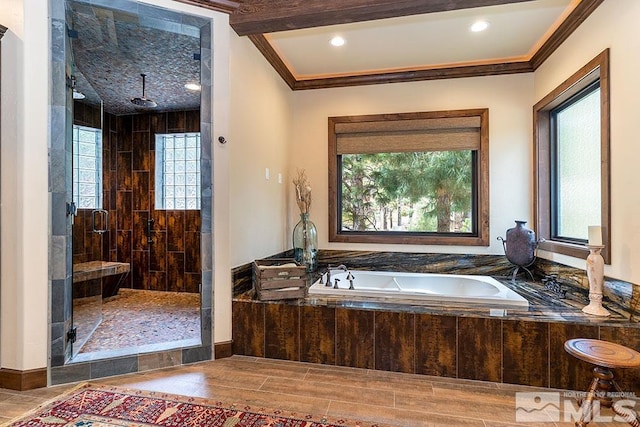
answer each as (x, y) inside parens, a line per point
(422, 41)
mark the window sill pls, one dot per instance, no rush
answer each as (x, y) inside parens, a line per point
(569, 249)
(399, 239)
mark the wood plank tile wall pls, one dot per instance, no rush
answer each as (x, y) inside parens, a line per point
(491, 349)
(172, 261)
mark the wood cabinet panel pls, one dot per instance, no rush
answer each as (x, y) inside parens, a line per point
(248, 328)
(480, 349)
(282, 331)
(318, 334)
(395, 341)
(525, 356)
(354, 338)
(436, 345)
(627, 379)
(565, 371)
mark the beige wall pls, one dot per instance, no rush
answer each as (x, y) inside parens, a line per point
(261, 114)
(509, 101)
(613, 25)
(25, 218)
(259, 138)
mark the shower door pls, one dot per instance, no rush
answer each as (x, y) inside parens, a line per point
(155, 251)
(91, 223)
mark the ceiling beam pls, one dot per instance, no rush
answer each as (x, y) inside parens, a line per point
(268, 16)
(226, 6)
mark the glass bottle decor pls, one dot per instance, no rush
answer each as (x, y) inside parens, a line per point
(305, 243)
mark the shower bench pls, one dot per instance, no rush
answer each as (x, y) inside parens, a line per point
(86, 271)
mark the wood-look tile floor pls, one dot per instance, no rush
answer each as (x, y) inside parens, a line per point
(374, 396)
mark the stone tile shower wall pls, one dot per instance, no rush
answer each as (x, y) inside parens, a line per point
(172, 261)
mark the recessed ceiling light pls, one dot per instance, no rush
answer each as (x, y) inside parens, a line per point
(479, 26)
(192, 86)
(337, 41)
(78, 95)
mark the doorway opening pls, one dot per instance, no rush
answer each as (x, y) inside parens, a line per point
(134, 277)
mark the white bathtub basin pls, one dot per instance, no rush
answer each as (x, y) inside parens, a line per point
(418, 286)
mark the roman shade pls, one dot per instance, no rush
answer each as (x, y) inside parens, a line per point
(408, 135)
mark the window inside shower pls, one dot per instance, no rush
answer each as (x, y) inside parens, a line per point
(87, 167)
(178, 171)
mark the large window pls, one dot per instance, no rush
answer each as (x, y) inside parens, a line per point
(572, 155)
(412, 178)
(178, 171)
(575, 160)
(87, 167)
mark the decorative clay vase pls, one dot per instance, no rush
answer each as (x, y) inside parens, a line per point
(305, 243)
(520, 247)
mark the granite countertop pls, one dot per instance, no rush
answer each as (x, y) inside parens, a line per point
(543, 306)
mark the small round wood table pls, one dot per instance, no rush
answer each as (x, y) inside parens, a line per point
(606, 356)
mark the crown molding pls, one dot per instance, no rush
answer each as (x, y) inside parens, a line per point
(568, 26)
(577, 16)
(415, 75)
(263, 45)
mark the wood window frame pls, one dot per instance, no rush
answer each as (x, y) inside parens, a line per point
(596, 69)
(481, 176)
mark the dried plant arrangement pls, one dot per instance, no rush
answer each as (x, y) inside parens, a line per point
(303, 191)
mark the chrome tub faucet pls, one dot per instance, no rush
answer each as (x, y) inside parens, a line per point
(328, 273)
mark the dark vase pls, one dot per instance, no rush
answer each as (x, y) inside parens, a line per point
(520, 246)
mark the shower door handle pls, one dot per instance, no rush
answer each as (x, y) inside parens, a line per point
(105, 221)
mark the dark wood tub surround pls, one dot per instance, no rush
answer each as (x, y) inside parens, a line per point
(172, 261)
(517, 346)
(457, 345)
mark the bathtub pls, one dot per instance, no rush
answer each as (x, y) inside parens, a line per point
(477, 290)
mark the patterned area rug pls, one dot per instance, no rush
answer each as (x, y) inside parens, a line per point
(107, 406)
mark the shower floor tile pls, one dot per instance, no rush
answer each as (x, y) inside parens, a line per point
(136, 319)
